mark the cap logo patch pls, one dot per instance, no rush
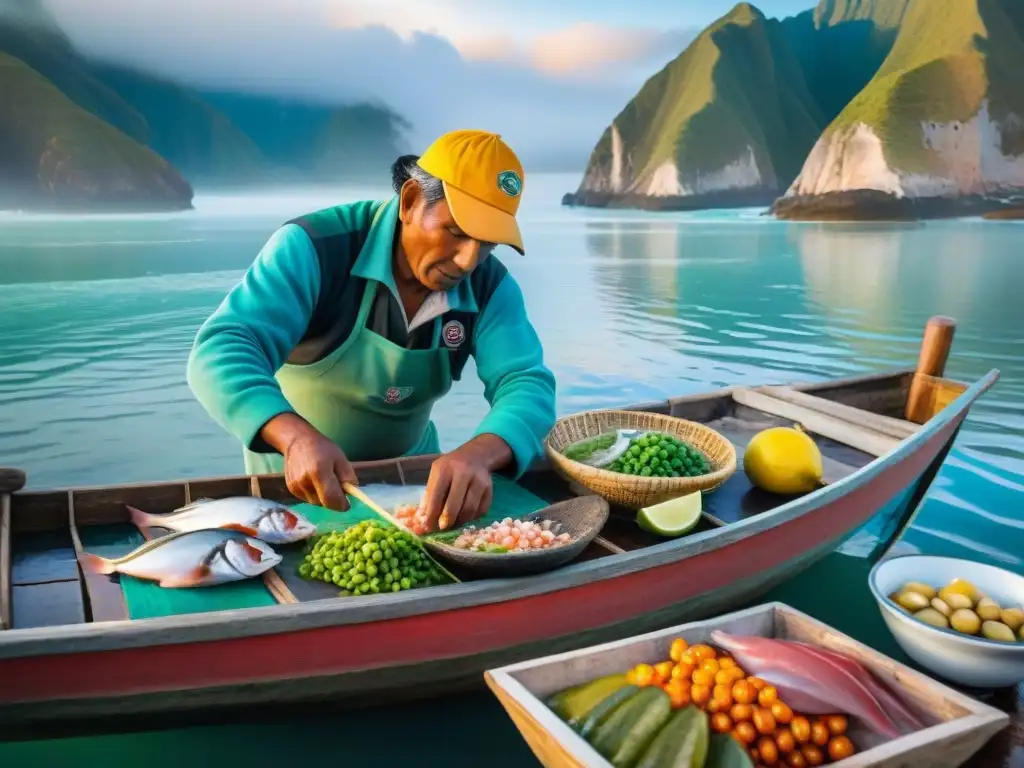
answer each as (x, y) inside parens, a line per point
(510, 183)
(396, 394)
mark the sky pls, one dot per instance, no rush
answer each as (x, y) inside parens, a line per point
(549, 75)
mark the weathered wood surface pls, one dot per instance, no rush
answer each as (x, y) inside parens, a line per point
(859, 437)
(957, 726)
(933, 395)
(895, 428)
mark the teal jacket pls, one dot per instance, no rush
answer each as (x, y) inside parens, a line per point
(299, 284)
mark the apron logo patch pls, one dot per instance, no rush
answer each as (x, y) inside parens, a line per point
(454, 334)
(397, 394)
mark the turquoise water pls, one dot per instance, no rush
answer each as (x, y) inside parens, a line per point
(97, 316)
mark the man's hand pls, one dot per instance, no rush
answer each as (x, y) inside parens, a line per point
(314, 467)
(459, 489)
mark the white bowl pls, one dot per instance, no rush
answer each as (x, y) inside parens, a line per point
(965, 659)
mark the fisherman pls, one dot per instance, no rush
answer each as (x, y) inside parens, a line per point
(354, 320)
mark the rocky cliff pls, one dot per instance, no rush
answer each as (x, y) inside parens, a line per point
(94, 136)
(56, 155)
(727, 121)
(855, 108)
(943, 117)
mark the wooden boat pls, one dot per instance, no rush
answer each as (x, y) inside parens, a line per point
(956, 726)
(74, 646)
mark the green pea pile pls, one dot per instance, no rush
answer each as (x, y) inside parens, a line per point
(658, 455)
(586, 448)
(368, 559)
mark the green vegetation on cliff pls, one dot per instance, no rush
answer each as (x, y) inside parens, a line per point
(737, 89)
(54, 153)
(948, 59)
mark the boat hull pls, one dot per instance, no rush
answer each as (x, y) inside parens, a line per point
(441, 650)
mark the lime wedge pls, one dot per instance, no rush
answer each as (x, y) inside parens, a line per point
(673, 517)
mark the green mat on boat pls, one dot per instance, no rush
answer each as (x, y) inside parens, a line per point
(148, 600)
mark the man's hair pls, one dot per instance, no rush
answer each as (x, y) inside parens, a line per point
(405, 168)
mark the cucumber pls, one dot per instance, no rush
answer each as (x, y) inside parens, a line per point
(724, 752)
(607, 705)
(623, 737)
(681, 743)
(573, 704)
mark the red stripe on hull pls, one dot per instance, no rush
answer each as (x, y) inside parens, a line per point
(448, 634)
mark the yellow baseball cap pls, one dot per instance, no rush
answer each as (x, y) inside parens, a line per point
(483, 184)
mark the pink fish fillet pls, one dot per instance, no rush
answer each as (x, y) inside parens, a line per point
(889, 700)
(808, 682)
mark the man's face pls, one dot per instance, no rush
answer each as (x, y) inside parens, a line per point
(439, 253)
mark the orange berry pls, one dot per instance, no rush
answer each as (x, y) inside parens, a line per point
(678, 693)
(839, 748)
(768, 750)
(745, 732)
(722, 693)
(644, 674)
(781, 712)
(702, 677)
(720, 723)
(755, 755)
(714, 705)
(664, 669)
(743, 692)
(682, 671)
(812, 754)
(785, 741)
(796, 760)
(763, 721)
(689, 658)
(702, 652)
(700, 694)
(819, 733)
(710, 665)
(740, 712)
(801, 728)
(727, 662)
(675, 651)
(767, 695)
(757, 682)
(837, 724)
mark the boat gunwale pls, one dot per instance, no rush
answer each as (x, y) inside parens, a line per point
(283, 618)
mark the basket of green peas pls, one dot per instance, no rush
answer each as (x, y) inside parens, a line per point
(637, 459)
(371, 558)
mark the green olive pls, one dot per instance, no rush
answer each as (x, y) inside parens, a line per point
(956, 600)
(940, 605)
(912, 601)
(1012, 617)
(988, 609)
(996, 630)
(921, 588)
(966, 621)
(933, 617)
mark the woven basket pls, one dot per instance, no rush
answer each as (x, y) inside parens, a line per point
(634, 491)
(582, 518)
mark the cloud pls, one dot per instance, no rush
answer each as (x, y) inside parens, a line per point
(586, 49)
(550, 97)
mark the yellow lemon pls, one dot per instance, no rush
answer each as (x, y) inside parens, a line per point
(783, 460)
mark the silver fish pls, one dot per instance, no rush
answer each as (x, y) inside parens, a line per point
(263, 519)
(191, 559)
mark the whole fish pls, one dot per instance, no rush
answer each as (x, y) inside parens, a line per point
(263, 519)
(191, 559)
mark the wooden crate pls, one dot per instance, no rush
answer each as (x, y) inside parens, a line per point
(957, 726)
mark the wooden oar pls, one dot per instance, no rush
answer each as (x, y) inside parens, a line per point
(352, 490)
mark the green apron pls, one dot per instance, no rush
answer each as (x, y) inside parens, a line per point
(370, 396)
